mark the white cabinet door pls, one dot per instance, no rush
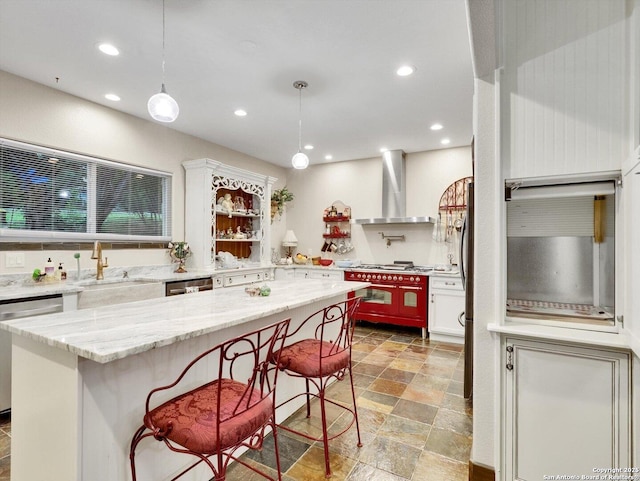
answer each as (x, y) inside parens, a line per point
(446, 307)
(565, 109)
(566, 410)
(282, 273)
(301, 273)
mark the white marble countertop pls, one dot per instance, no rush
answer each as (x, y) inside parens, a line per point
(109, 333)
(22, 287)
(451, 273)
(555, 333)
(30, 289)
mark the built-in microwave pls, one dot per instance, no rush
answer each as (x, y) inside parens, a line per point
(561, 241)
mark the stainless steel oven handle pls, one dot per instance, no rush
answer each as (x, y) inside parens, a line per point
(413, 288)
(388, 286)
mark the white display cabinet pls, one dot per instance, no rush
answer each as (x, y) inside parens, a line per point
(227, 209)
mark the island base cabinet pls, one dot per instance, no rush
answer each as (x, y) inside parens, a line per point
(567, 410)
(45, 400)
(73, 418)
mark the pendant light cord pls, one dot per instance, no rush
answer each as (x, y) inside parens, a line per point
(300, 119)
(163, 43)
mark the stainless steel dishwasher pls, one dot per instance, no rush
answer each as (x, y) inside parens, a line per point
(188, 286)
(16, 309)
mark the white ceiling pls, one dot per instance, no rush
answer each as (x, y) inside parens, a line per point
(227, 54)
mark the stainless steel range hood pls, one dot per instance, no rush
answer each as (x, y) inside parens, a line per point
(394, 194)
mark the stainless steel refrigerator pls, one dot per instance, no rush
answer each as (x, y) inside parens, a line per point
(466, 273)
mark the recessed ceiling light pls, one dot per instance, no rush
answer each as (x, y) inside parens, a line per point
(241, 113)
(445, 141)
(405, 70)
(328, 157)
(113, 97)
(109, 49)
(436, 127)
(308, 147)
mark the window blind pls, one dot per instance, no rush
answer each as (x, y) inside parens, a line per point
(50, 193)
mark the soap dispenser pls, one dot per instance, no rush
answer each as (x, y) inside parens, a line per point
(61, 274)
(49, 268)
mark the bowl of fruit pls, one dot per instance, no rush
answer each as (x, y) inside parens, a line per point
(300, 259)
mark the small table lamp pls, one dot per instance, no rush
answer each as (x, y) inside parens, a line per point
(290, 241)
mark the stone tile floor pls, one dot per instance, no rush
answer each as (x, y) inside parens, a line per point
(5, 447)
(415, 424)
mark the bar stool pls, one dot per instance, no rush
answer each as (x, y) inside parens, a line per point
(233, 410)
(319, 361)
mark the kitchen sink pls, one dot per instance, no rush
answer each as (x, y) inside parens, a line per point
(117, 291)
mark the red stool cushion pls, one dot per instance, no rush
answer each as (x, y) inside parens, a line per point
(303, 357)
(191, 418)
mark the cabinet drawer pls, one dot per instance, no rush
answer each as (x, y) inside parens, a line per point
(325, 275)
(446, 283)
(239, 279)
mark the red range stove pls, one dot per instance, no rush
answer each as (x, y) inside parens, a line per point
(397, 295)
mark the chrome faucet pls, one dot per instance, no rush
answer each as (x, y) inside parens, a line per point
(97, 254)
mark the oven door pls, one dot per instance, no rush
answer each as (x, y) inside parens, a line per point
(377, 299)
(412, 302)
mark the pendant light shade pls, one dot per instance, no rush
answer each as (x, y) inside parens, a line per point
(161, 106)
(300, 160)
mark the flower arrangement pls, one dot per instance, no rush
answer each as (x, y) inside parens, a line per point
(179, 251)
(278, 200)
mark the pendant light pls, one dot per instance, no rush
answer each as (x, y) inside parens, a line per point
(162, 107)
(300, 160)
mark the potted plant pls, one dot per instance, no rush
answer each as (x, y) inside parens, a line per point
(279, 198)
(179, 251)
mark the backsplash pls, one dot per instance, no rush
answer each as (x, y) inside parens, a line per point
(24, 279)
(76, 246)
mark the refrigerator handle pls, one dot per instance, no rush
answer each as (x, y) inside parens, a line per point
(461, 256)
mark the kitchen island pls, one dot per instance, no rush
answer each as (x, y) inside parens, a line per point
(80, 378)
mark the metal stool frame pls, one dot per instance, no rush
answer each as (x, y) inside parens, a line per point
(333, 336)
(260, 349)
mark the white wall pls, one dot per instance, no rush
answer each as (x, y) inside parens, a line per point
(33, 113)
(565, 92)
(536, 158)
(489, 274)
(358, 183)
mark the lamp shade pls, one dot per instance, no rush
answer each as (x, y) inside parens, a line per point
(290, 239)
(162, 107)
(300, 161)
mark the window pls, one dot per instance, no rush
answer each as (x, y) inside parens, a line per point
(46, 193)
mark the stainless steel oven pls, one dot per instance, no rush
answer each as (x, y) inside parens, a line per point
(398, 298)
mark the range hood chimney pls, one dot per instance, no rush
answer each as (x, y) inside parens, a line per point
(394, 198)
